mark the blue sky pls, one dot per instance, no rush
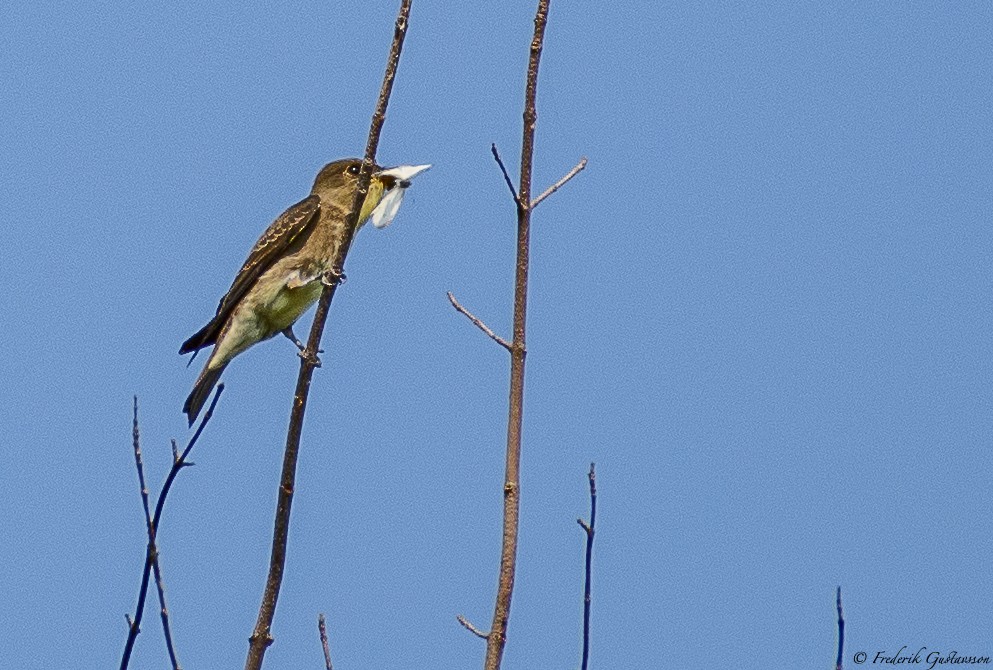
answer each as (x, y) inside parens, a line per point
(763, 310)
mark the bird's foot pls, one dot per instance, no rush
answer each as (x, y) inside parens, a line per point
(291, 336)
(301, 347)
(314, 359)
(333, 277)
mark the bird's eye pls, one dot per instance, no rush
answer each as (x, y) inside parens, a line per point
(353, 169)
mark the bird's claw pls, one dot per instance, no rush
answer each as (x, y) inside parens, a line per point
(314, 359)
(301, 348)
(333, 277)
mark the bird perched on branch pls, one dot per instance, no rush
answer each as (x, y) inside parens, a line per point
(284, 272)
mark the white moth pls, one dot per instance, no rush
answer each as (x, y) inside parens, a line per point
(389, 205)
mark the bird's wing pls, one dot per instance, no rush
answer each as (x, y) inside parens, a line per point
(274, 242)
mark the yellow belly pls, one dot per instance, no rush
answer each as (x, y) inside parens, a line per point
(263, 314)
(289, 304)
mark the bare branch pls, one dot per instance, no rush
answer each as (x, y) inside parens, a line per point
(261, 636)
(151, 555)
(506, 177)
(841, 632)
(323, 629)
(580, 166)
(478, 322)
(164, 612)
(152, 550)
(590, 529)
(497, 637)
(472, 629)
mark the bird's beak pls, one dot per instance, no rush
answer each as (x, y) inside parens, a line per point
(396, 180)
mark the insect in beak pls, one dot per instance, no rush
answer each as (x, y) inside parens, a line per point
(395, 180)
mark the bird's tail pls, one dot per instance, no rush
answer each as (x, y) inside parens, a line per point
(201, 391)
(204, 337)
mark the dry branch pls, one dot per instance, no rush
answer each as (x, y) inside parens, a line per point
(261, 635)
(152, 523)
(152, 550)
(497, 637)
(580, 166)
(472, 629)
(478, 322)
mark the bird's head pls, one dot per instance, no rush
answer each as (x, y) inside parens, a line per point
(337, 181)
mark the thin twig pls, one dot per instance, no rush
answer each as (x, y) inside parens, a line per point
(136, 443)
(322, 627)
(472, 629)
(478, 322)
(506, 176)
(590, 529)
(150, 528)
(151, 555)
(841, 632)
(580, 166)
(164, 611)
(261, 635)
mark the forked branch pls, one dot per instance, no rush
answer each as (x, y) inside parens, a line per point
(152, 524)
(497, 637)
(579, 167)
(152, 549)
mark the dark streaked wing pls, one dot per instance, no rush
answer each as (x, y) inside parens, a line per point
(270, 248)
(274, 241)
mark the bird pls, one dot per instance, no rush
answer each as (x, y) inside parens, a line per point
(284, 272)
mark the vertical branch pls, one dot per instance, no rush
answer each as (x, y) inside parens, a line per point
(590, 529)
(152, 522)
(497, 637)
(261, 635)
(841, 632)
